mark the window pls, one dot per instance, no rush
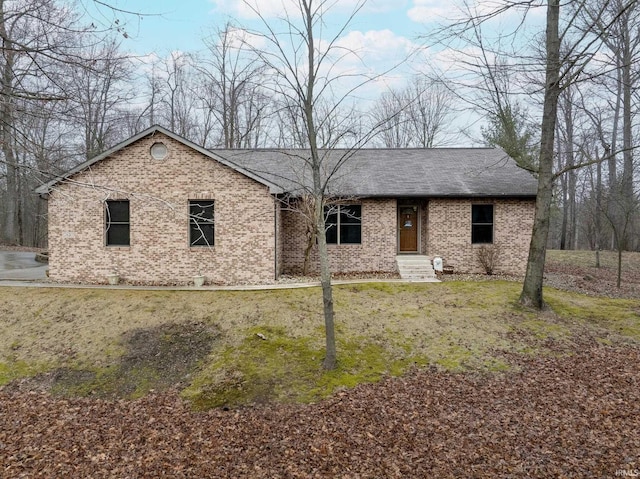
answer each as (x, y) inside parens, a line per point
(117, 222)
(159, 151)
(201, 223)
(344, 224)
(481, 224)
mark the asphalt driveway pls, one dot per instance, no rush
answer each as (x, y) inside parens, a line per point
(15, 265)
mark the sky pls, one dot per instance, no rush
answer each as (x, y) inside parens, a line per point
(383, 32)
(168, 25)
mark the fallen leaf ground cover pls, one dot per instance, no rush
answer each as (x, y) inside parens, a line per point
(558, 416)
(451, 380)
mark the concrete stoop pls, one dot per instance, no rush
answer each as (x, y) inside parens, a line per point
(415, 267)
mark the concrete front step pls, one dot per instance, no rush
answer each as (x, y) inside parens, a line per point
(415, 268)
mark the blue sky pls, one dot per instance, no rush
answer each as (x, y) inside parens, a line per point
(170, 25)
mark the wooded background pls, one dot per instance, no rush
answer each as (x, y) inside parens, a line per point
(69, 91)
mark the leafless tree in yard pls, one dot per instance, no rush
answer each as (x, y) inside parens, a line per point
(303, 65)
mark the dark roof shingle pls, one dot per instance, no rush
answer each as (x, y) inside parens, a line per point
(395, 172)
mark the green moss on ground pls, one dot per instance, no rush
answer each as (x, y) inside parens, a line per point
(270, 365)
(12, 369)
(125, 343)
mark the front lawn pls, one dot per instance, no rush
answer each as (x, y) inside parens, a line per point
(231, 348)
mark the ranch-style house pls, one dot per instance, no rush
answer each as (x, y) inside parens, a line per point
(159, 209)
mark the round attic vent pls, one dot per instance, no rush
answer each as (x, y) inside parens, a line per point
(159, 151)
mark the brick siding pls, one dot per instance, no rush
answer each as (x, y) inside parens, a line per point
(445, 231)
(159, 192)
(377, 252)
(449, 233)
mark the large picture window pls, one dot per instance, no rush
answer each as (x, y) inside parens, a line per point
(117, 222)
(481, 224)
(201, 225)
(344, 224)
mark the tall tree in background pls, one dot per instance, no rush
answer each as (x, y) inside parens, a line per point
(419, 115)
(232, 76)
(617, 23)
(508, 125)
(99, 86)
(39, 39)
(566, 60)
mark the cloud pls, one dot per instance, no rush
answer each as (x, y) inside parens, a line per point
(240, 38)
(376, 55)
(250, 9)
(428, 11)
(377, 45)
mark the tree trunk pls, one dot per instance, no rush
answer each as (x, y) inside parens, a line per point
(532, 288)
(311, 240)
(6, 133)
(330, 360)
(619, 277)
(598, 223)
(627, 153)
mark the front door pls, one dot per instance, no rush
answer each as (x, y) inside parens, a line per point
(408, 225)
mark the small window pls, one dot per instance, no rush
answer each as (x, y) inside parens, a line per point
(201, 225)
(117, 222)
(159, 151)
(343, 224)
(481, 224)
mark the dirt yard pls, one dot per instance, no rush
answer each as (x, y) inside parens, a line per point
(568, 405)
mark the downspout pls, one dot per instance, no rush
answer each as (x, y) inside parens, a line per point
(275, 237)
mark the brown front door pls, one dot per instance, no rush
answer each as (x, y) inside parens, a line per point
(408, 224)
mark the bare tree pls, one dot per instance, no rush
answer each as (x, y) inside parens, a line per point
(562, 68)
(232, 75)
(566, 160)
(39, 37)
(620, 218)
(98, 90)
(617, 22)
(388, 110)
(417, 115)
(532, 288)
(303, 63)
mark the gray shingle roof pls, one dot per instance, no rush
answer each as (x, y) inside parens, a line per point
(436, 172)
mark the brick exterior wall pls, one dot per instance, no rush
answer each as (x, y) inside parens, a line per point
(377, 252)
(449, 233)
(445, 230)
(158, 192)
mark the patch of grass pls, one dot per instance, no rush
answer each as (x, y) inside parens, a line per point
(124, 343)
(270, 365)
(619, 316)
(16, 369)
(544, 329)
(587, 259)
